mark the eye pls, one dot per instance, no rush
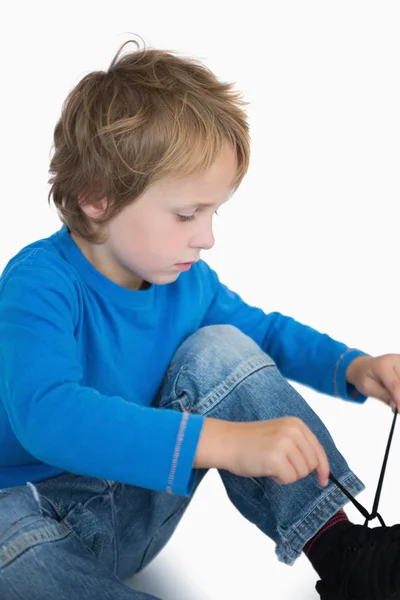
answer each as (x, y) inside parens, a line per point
(184, 219)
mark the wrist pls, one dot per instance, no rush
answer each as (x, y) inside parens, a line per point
(212, 446)
(353, 367)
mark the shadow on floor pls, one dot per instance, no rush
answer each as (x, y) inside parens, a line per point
(163, 579)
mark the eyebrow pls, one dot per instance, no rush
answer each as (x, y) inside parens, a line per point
(199, 205)
(204, 204)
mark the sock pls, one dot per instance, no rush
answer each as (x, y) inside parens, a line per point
(318, 548)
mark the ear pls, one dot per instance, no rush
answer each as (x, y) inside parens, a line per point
(92, 208)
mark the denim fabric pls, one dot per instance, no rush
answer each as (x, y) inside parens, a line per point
(80, 537)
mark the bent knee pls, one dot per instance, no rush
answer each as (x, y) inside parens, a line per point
(225, 341)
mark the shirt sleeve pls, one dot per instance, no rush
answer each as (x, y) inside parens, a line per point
(65, 424)
(300, 352)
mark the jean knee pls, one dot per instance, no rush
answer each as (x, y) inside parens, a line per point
(213, 343)
(208, 365)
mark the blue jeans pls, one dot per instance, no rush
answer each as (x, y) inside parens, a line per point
(81, 537)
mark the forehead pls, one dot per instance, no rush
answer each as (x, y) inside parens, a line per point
(202, 189)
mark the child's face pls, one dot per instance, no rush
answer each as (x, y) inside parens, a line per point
(147, 239)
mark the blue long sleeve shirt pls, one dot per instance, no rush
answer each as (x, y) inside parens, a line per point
(82, 358)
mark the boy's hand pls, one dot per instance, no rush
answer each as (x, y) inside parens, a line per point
(377, 377)
(283, 449)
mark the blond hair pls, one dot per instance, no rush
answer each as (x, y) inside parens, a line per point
(152, 114)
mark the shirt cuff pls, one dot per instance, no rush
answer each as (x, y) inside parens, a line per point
(182, 475)
(341, 387)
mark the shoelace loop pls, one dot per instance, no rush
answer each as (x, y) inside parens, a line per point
(374, 514)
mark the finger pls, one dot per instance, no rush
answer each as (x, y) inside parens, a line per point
(298, 463)
(377, 390)
(396, 369)
(309, 451)
(388, 374)
(323, 468)
(287, 473)
(396, 366)
(297, 458)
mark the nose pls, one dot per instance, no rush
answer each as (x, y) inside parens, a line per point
(203, 239)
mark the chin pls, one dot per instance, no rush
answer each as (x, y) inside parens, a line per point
(164, 279)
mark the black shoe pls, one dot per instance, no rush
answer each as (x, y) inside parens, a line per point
(368, 565)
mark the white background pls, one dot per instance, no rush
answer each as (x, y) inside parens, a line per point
(313, 232)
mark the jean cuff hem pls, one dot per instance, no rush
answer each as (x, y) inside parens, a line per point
(331, 501)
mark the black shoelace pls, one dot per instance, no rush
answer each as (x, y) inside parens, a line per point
(374, 514)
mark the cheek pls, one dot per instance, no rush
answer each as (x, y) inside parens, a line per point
(165, 232)
(150, 235)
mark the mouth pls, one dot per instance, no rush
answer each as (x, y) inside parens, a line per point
(185, 266)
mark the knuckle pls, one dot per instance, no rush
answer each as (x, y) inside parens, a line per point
(276, 458)
(293, 425)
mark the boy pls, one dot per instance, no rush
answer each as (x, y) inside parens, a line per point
(127, 369)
